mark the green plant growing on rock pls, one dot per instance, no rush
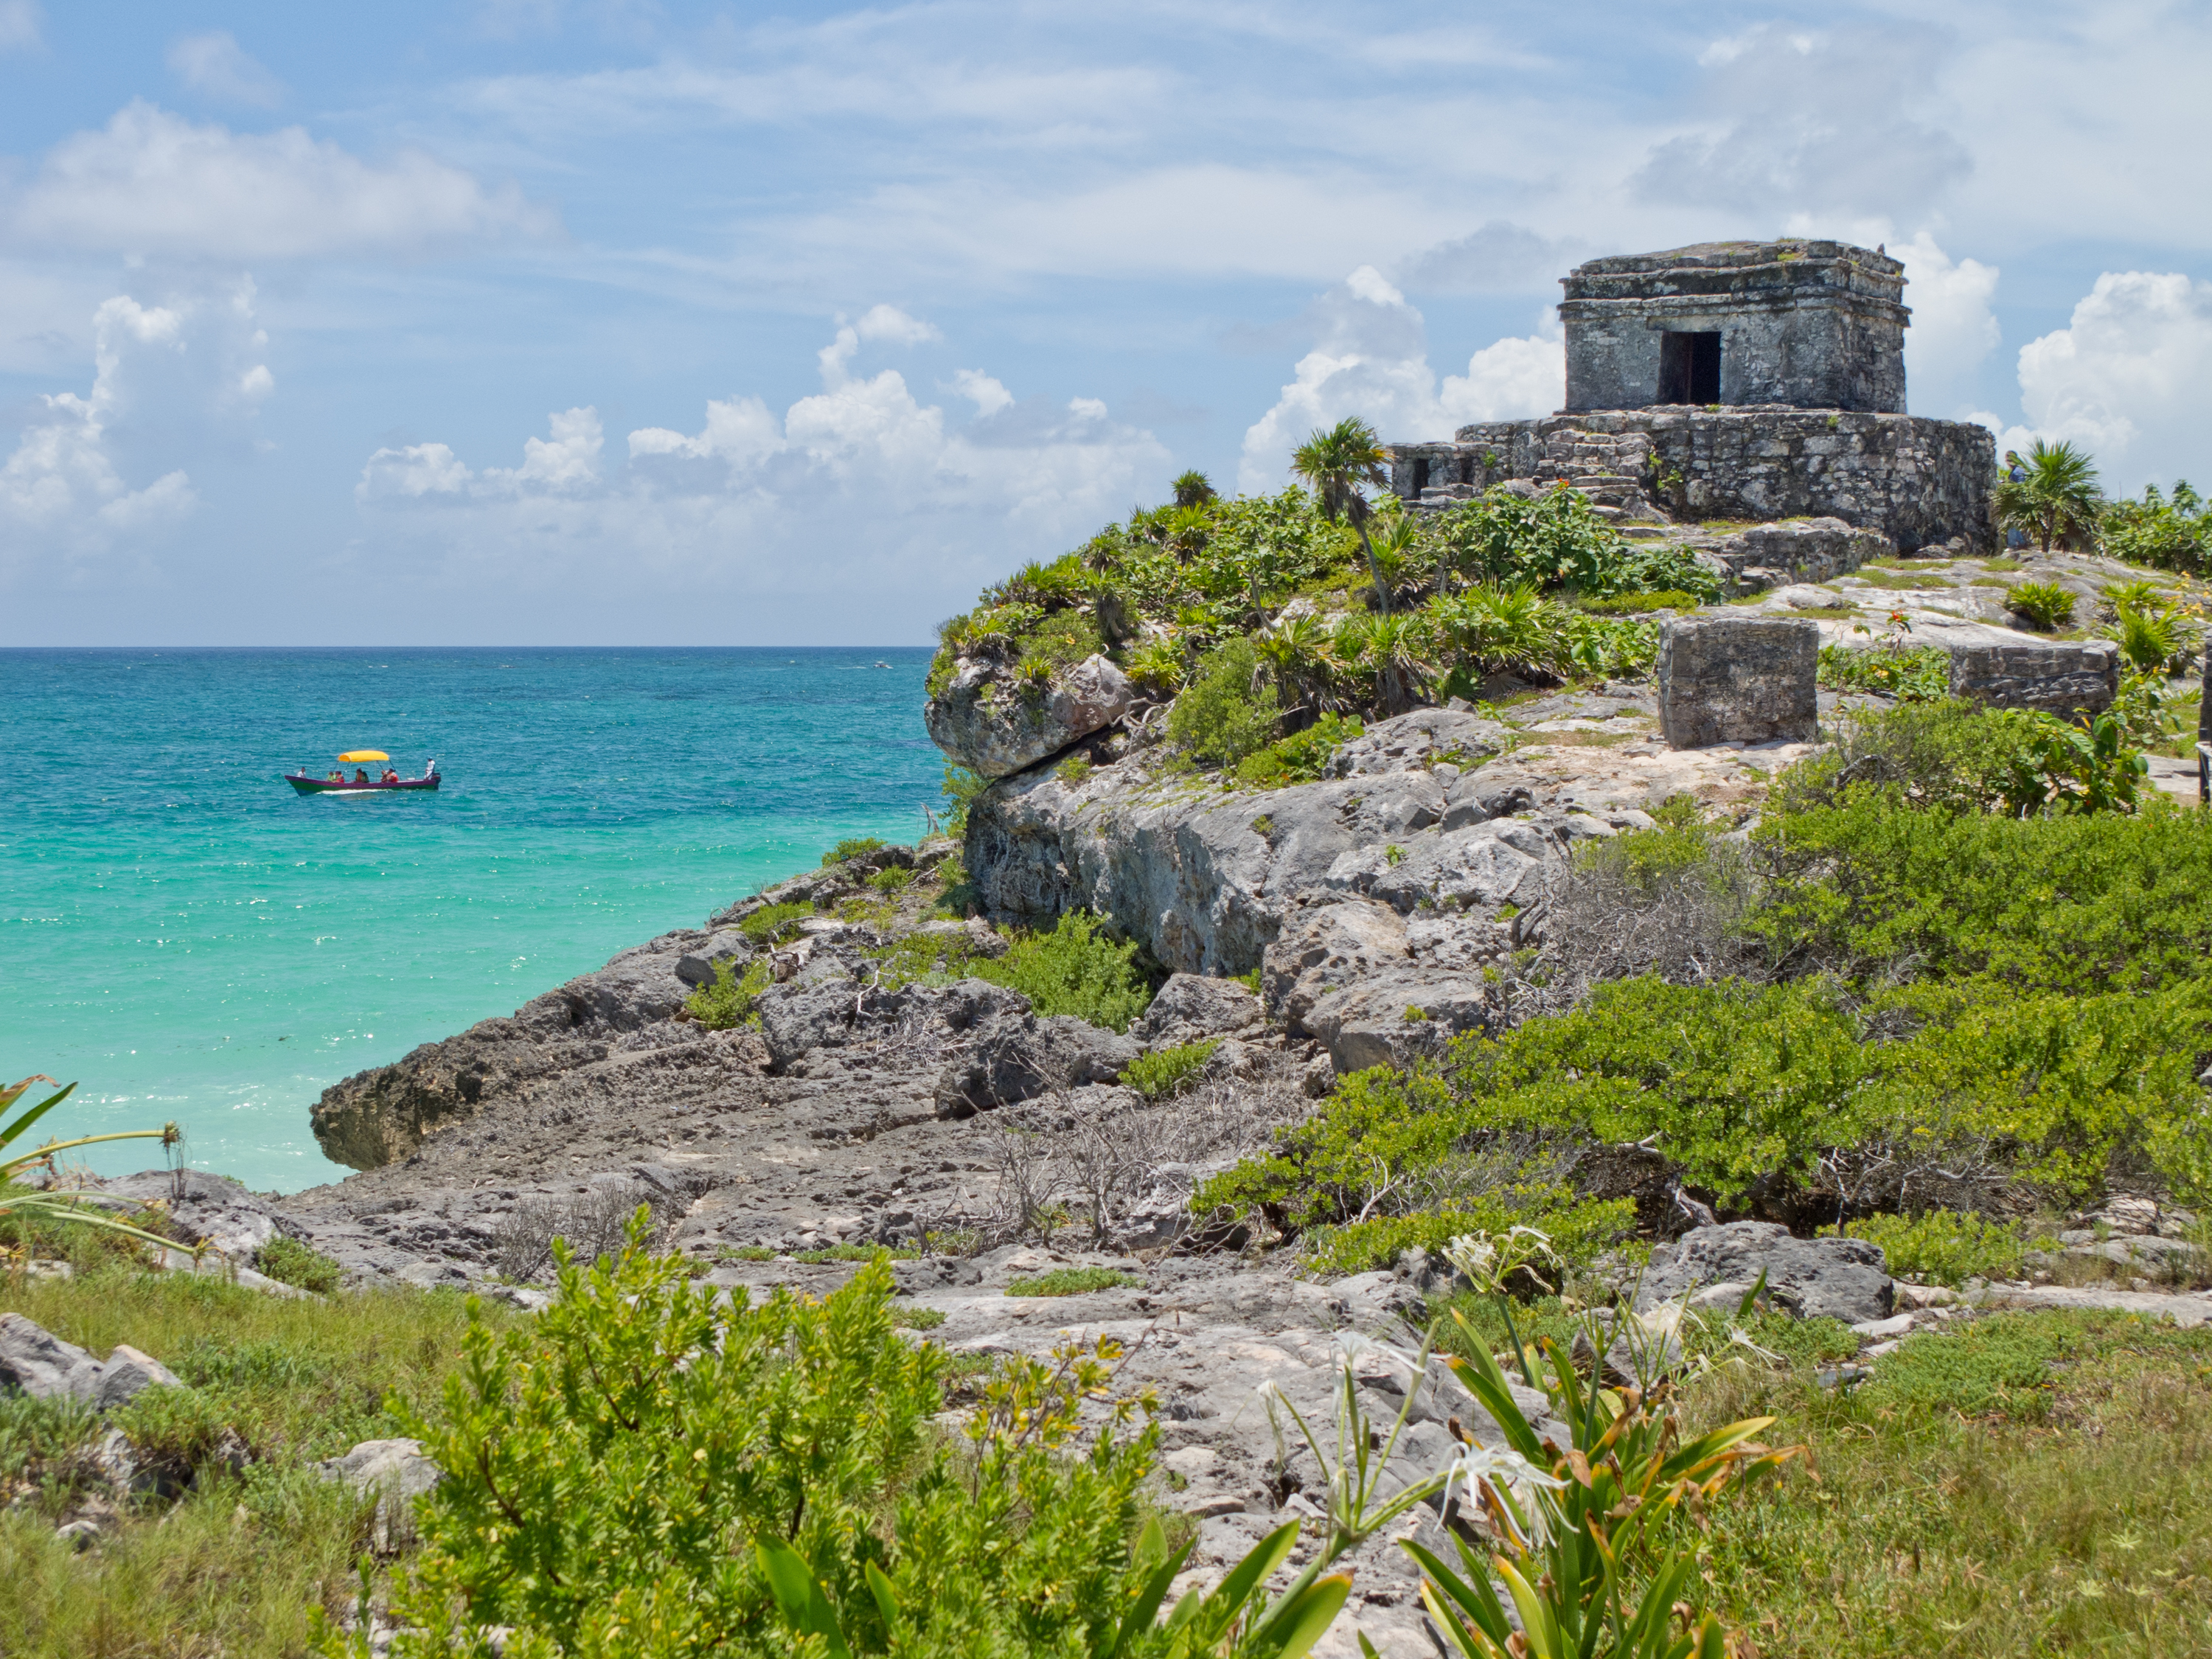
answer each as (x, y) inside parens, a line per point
(1073, 970)
(730, 1000)
(2044, 605)
(289, 1262)
(1228, 712)
(1301, 757)
(851, 848)
(1920, 674)
(1072, 1281)
(2165, 532)
(1167, 1072)
(773, 924)
(2065, 769)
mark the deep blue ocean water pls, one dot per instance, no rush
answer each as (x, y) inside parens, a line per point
(187, 939)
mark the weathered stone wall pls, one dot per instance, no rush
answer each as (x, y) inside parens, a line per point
(1738, 679)
(1918, 482)
(1814, 324)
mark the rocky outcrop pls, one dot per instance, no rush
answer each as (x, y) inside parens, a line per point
(382, 1115)
(1021, 1057)
(1203, 880)
(1190, 1008)
(395, 1472)
(35, 1362)
(1844, 1278)
(983, 721)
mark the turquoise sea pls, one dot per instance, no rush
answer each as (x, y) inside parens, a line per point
(189, 939)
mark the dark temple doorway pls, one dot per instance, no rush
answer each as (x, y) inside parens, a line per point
(1689, 368)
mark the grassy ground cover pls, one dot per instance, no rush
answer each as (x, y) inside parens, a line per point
(234, 1565)
(2036, 1485)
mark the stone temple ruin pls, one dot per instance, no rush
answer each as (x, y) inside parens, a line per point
(1746, 400)
(1735, 380)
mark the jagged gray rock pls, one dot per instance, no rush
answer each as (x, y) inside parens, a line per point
(129, 1373)
(984, 723)
(1191, 1007)
(36, 1362)
(1021, 1058)
(201, 1208)
(398, 1473)
(1844, 1278)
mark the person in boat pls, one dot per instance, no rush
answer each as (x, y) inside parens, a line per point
(361, 774)
(391, 775)
(430, 768)
(337, 774)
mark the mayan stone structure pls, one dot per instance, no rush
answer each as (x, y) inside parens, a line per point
(1728, 679)
(1743, 382)
(1805, 324)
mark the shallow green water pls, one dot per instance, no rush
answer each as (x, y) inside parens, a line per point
(188, 938)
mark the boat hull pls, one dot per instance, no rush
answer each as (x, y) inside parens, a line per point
(307, 785)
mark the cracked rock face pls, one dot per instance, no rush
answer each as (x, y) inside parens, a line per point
(984, 723)
(1844, 1278)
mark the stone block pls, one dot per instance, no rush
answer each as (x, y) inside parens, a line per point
(1738, 679)
(2008, 670)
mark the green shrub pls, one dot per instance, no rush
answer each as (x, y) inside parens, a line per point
(1578, 1231)
(1920, 673)
(1072, 770)
(1943, 1247)
(291, 1262)
(1073, 970)
(1072, 1281)
(909, 1317)
(961, 786)
(1627, 605)
(1167, 1072)
(851, 849)
(676, 1477)
(2080, 903)
(775, 923)
(892, 878)
(1220, 716)
(2166, 534)
(1301, 757)
(2044, 604)
(854, 1253)
(1747, 1088)
(727, 1002)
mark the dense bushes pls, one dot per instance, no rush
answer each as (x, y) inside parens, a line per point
(1073, 970)
(2166, 533)
(643, 1471)
(1891, 998)
(1263, 613)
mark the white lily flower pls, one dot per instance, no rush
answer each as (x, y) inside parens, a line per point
(1521, 1480)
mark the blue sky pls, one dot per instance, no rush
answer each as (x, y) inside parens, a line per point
(572, 323)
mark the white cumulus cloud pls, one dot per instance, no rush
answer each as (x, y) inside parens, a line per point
(2125, 378)
(860, 491)
(1953, 330)
(151, 182)
(1369, 358)
(216, 64)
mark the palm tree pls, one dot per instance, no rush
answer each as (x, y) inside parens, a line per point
(1336, 463)
(1298, 653)
(1193, 489)
(1394, 653)
(2058, 502)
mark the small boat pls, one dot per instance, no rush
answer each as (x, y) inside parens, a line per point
(385, 781)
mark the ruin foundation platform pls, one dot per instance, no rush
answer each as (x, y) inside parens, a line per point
(1920, 483)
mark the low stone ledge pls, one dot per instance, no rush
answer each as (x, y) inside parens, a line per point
(2006, 670)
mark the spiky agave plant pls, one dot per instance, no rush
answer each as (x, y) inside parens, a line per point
(64, 1205)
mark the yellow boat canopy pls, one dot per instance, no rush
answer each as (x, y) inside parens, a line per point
(352, 754)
